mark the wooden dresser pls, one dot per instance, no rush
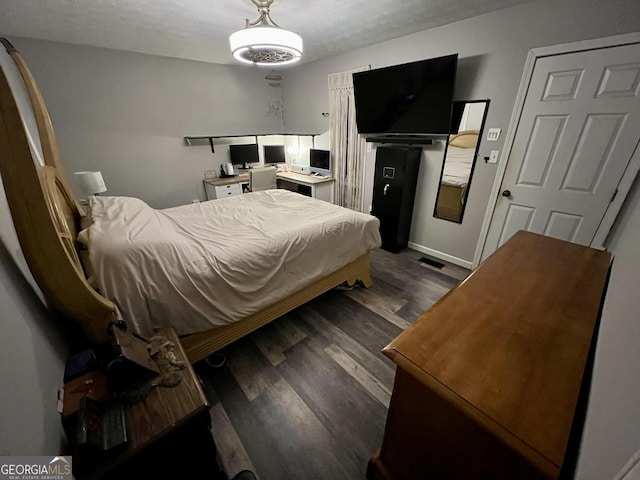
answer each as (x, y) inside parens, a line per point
(488, 380)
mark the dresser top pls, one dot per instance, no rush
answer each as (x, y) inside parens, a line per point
(509, 345)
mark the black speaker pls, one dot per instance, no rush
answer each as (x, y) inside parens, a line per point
(394, 189)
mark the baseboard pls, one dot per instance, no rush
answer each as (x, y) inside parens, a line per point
(442, 256)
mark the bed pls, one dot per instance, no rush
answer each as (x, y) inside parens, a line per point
(66, 246)
(458, 164)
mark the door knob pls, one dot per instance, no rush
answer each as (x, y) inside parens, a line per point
(384, 190)
(506, 193)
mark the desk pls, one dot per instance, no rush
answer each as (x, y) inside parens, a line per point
(316, 187)
(217, 188)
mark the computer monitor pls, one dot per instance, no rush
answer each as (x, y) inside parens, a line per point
(273, 154)
(244, 154)
(320, 162)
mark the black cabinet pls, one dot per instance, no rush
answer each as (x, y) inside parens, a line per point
(394, 189)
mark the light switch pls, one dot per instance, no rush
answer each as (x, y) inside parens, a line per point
(493, 156)
(493, 135)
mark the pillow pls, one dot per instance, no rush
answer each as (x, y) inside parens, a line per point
(121, 209)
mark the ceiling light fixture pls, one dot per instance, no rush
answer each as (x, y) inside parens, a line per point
(265, 43)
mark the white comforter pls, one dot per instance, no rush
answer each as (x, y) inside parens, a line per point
(457, 166)
(207, 264)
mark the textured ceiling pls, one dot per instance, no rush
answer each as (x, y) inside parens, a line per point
(199, 29)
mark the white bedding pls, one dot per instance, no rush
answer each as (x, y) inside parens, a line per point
(208, 264)
(457, 166)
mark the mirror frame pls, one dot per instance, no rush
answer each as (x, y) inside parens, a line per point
(473, 164)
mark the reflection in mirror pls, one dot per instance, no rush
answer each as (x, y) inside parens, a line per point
(460, 156)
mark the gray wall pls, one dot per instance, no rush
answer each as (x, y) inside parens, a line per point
(32, 355)
(612, 428)
(126, 114)
(492, 50)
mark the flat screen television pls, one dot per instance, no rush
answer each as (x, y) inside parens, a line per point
(457, 111)
(409, 99)
(319, 162)
(244, 154)
(273, 154)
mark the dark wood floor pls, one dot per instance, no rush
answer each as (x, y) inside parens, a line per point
(306, 396)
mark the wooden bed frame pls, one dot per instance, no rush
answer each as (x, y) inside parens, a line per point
(47, 218)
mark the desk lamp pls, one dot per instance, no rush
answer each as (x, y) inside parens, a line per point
(90, 183)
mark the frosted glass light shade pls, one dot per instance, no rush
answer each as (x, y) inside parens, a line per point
(266, 45)
(90, 183)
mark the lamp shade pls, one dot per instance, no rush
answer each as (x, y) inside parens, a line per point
(90, 183)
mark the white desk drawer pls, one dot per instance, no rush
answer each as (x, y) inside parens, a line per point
(228, 190)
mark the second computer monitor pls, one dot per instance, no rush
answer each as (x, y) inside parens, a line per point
(244, 155)
(273, 154)
(320, 162)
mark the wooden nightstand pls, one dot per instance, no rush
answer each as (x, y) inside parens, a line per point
(164, 411)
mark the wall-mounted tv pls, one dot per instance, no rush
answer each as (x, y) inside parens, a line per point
(244, 154)
(273, 154)
(412, 98)
(320, 162)
(457, 111)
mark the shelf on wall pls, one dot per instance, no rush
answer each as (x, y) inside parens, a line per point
(192, 139)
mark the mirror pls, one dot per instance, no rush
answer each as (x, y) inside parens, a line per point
(460, 155)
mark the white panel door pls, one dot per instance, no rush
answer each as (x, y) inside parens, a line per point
(579, 127)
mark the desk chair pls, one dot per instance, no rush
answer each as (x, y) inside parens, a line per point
(262, 178)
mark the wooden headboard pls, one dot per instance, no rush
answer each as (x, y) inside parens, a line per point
(465, 139)
(45, 212)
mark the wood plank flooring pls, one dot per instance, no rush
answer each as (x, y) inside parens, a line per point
(306, 396)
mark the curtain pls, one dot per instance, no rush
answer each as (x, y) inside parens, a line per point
(347, 147)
